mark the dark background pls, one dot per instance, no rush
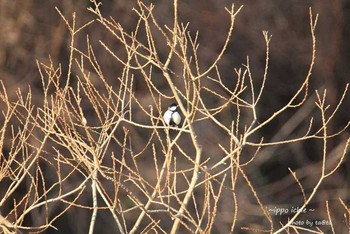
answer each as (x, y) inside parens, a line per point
(33, 30)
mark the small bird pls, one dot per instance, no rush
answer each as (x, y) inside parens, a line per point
(172, 116)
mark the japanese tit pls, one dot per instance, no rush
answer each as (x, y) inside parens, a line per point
(172, 116)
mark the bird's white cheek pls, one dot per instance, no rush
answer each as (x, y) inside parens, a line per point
(173, 108)
(176, 118)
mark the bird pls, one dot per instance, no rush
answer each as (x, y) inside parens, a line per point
(172, 116)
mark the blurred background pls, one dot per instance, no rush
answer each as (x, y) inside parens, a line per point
(32, 30)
